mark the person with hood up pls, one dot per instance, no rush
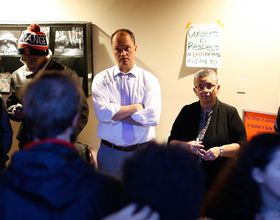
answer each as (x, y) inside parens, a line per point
(47, 179)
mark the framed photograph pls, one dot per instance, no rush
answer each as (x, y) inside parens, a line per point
(5, 83)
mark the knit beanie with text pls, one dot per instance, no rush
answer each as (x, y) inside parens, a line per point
(33, 42)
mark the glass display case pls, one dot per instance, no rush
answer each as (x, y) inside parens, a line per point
(70, 43)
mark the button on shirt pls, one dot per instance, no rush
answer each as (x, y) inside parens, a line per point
(106, 93)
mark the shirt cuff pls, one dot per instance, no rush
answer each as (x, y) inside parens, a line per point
(113, 108)
(138, 117)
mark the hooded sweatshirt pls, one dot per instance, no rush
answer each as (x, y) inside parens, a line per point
(48, 180)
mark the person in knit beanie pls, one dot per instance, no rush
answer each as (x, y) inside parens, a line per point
(36, 57)
(33, 48)
(33, 42)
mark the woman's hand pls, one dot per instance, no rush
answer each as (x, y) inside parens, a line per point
(194, 148)
(212, 154)
(190, 146)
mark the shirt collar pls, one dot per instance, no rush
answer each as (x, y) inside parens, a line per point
(133, 71)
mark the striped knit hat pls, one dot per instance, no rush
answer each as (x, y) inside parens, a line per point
(33, 42)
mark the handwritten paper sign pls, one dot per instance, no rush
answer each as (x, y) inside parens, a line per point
(257, 122)
(204, 45)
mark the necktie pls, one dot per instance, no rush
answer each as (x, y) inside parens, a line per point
(127, 129)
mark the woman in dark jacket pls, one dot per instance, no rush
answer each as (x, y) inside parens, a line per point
(209, 128)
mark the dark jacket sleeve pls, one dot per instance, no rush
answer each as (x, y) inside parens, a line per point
(85, 109)
(225, 127)
(12, 100)
(6, 131)
(238, 129)
(177, 127)
(277, 122)
(185, 126)
(84, 115)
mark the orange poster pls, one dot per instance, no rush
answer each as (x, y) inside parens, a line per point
(258, 122)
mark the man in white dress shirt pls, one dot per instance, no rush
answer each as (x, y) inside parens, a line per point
(127, 103)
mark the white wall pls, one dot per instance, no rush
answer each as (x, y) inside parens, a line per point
(251, 46)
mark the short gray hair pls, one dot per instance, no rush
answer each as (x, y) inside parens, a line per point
(205, 72)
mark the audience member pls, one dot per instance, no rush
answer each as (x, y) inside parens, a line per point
(167, 179)
(6, 134)
(47, 179)
(209, 128)
(127, 103)
(277, 122)
(251, 189)
(35, 55)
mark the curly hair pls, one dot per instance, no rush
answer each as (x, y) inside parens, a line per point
(51, 101)
(238, 196)
(167, 178)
